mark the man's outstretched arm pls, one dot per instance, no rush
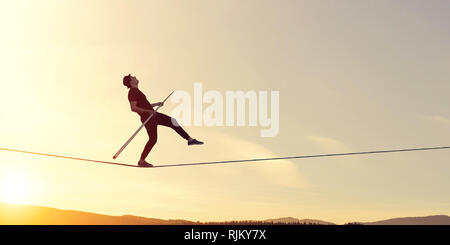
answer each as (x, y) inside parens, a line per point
(157, 104)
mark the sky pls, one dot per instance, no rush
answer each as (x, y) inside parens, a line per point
(351, 76)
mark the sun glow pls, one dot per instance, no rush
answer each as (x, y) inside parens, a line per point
(15, 188)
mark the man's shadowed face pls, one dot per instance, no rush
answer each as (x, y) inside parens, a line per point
(134, 82)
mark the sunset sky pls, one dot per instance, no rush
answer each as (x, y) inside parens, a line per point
(352, 76)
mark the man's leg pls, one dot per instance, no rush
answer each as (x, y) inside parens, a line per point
(165, 120)
(152, 132)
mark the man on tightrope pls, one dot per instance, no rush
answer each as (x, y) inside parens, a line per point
(141, 106)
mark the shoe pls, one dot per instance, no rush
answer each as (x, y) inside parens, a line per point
(194, 142)
(144, 164)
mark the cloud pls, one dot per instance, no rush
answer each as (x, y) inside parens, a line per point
(221, 146)
(281, 173)
(440, 119)
(331, 145)
(328, 144)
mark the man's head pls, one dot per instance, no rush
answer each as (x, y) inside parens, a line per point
(130, 81)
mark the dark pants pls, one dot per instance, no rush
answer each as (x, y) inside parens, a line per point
(152, 125)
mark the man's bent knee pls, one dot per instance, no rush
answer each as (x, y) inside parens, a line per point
(175, 122)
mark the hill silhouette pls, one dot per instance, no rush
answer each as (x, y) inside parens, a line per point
(13, 214)
(426, 220)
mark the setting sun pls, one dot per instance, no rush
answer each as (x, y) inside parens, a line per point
(16, 188)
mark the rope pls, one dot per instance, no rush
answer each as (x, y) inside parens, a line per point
(239, 161)
(74, 158)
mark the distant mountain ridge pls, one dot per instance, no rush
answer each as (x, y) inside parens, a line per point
(291, 220)
(426, 220)
(12, 214)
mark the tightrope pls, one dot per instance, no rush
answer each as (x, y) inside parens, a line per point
(237, 161)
